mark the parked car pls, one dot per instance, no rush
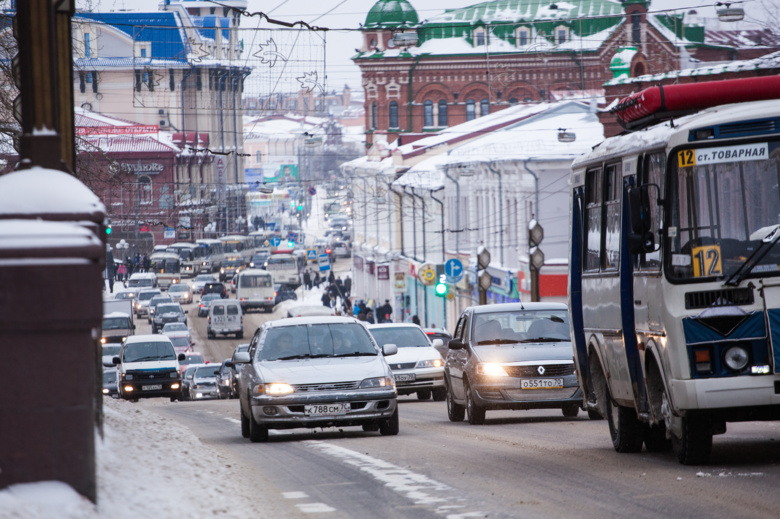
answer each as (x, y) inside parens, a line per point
(284, 292)
(225, 317)
(204, 382)
(315, 372)
(109, 383)
(227, 383)
(439, 333)
(200, 281)
(205, 303)
(153, 302)
(214, 287)
(310, 310)
(418, 366)
(511, 356)
(168, 313)
(148, 366)
(181, 293)
(144, 298)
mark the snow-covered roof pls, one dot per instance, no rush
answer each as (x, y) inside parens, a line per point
(770, 61)
(45, 235)
(46, 191)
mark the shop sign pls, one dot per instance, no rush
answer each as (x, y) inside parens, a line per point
(399, 281)
(383, 272)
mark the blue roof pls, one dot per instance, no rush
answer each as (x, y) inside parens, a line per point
(208, 25)
(163, 29)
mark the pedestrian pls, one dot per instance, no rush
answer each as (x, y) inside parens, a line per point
(416, 320)
(356, 308)
(347, 286)
(340, 285)
(386, 312)
(307, 279)
(331, 277)
(325, 299)
(121, 272)
(317, 279)
(147, 263)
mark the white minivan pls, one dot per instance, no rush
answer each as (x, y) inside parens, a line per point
(225, 317)
(255, 289)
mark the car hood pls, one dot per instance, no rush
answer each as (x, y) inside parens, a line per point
(413, 354)
(322, 371)
(525, 352)
(168, 315)
(150, 365)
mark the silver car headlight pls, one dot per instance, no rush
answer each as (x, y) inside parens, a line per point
(431, 363)
(377, 382)
(491, 370)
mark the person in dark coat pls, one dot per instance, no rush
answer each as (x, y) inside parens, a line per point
(307, 279)
(331, 277)
(347, 286)
(385, 312)
(370, 317)
(416, 320)
(147, 263)
(317, 279)
(325, 299)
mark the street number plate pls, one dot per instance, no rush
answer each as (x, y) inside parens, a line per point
(153, 387)
(405, 378)
(541, 383)
(326, 409)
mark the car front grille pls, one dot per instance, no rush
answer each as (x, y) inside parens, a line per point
(336, 386)
(550, 370)
(157, 374)
(402, 365)
(541, 394)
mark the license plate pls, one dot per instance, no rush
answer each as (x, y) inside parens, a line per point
(541, 383)
(153, 387)
(405, 378)
(326, 409)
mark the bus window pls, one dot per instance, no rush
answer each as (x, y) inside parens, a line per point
(613, 190)
(592, 243)
(654, 172)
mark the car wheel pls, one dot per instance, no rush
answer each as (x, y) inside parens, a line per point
(210, 334)
(173, 399)
(370, 427)
(439, 394)
(424, 394)
(594, 415)
(257, 433)
(624, 427)
(455, 412)
(244, 423)
(240, 335)
(571, 411)
(476, 413)
(390, 426)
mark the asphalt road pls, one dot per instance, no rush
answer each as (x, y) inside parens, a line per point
(519, 464)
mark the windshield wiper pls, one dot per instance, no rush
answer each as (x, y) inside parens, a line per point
(356, 354)
(291, 357)
(544, 339)
(498, 341)
(767, 242)
(145, 359)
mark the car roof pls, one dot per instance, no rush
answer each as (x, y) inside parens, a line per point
(394, 325)
(315, 319)
(115, 314)
(147, 290)
(147, 338)
(516, 307)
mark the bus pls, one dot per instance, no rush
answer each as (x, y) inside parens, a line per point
(189, 257)
(284, 268)
(211, 254)
(255, 289)
(237, 244)
(166, 266)
(674, 273)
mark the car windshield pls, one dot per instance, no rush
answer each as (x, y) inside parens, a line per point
(111, 350)
(164, 309)
(178, 288)
(192, 359)
(146, 296)
(204, 277)
(315, 340)
(109, 377)
(175, 327)
(206, 372)
(116, 323)
(125, 295)
(209, 297)
(157, 300)
(402, 337)
(180, 341)
(521, 326)
(148, 351)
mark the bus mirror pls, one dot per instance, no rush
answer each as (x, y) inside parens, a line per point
(640, 239)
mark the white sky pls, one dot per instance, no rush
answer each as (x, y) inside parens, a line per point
(348, 14)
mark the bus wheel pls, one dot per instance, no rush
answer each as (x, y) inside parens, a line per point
(695, 444)
(624, 427)
(656, 440)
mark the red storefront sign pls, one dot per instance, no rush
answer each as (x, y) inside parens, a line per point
(383, 272)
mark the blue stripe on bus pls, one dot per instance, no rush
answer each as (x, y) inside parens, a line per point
(575, 288)
(627, 309)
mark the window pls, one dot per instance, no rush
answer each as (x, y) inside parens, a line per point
(561, 35)
(442, 113)
(94, 77)
(654, 172)
(198, 80)
(636, 28)
(471, 109)
(484, 107)
(82, 82)
(393, 119)
(592, 219)
(479, 37)
(171, 80)
(145, 187)
(428, 114)
(613, 188)
(137, 80)
(373, 116)
(603, 190)
(143, 53)
(523, 36)
(87, 46)
(259, 157)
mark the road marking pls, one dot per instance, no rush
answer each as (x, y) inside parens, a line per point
(315, 508)
(295, 495)
(419, 488)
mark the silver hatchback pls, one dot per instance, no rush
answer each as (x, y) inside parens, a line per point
(315, 372)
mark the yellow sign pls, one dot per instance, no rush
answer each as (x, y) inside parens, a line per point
(686, 158)
(427, 274)
(706, 261)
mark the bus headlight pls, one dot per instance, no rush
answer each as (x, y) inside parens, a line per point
(736, 358)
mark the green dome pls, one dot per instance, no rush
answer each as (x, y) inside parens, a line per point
(391, 13)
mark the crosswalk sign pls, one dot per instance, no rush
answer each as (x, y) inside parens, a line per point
(311, 254)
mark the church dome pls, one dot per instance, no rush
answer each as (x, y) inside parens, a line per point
(391, 13)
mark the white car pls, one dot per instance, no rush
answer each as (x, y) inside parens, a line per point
(200, 281)
(181, 293)
(418, 367)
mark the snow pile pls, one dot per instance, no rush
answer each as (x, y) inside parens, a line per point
(147, 466)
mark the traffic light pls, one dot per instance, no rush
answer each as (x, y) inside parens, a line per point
(300, 207)
(441, 288)
(108, 227)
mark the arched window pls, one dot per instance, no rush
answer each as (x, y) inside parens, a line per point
(513, 101)
(484, 107)
(442, 113)
(428, 114)
(393, 119)
(471, 110)
(373, 115)
(145, 188)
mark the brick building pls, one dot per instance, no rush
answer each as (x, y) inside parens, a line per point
(422, 76)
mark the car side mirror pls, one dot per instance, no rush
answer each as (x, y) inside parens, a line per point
(438, 343)
(230, 364)
(182, 357)
(242, 357)
(456, 344)
(115, 361)
(389, 349)
(186, 311)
